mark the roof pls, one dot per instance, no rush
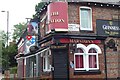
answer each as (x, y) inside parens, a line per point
(101, 1)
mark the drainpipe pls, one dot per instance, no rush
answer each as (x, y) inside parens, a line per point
(105, 62)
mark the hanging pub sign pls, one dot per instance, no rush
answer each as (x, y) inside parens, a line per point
(58, 16)
(108, 28)
(32, 28)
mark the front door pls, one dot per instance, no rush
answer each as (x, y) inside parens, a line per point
(60, 64)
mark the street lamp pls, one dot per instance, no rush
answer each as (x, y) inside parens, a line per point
(7, 36)
(7, 24)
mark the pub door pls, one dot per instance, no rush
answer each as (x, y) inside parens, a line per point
(60, 64)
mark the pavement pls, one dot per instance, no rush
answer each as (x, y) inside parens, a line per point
(1, 76)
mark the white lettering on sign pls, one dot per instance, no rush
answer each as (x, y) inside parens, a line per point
(105, 27)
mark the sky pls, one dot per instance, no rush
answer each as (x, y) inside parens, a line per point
(19, 10)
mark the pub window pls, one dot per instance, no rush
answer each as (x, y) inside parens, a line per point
(86, 18)
(79, 59)
(31, 66)
(86, 58)
(46, 61)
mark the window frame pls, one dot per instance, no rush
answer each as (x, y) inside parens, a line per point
(86, 56)
(90, 16)
(97, 61)
(83, 61)
(45, 59)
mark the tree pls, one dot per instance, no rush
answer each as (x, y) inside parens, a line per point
(38, 7)
(18, 30)
(4, 37)
(8, 52)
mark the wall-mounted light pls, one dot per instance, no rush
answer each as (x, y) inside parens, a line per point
(112, 44)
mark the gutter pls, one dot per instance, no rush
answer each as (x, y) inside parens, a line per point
(105, 61)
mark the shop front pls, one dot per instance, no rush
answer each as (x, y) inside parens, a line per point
(67, 58)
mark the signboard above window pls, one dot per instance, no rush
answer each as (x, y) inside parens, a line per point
(108, 28)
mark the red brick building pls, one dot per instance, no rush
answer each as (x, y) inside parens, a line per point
(78, 40)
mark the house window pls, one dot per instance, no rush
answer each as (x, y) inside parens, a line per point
(86, 18)
(86, 58)
(79, 60)
(46, 61)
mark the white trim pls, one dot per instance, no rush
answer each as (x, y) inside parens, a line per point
(46, 61)
(75, 62)
(42, 51)
(95, 47)
(87, 29)
(30, 56)
(20, 58)
(36, 53)
(86, 56)
(58, 29)
(85, 7)
(83, 47)
(21, 43)
(44, 17)
(24, 61)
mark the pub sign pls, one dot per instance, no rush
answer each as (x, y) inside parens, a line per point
(58, 16)
(108, 28)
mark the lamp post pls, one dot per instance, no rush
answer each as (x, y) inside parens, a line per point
(7, 24)
(6, 66)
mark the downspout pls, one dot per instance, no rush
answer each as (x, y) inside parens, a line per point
(38, 59)
(23, 68)
(105, 61)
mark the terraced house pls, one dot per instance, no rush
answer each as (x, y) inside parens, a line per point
(75, 39)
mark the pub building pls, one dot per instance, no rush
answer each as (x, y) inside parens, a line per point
(78, 40)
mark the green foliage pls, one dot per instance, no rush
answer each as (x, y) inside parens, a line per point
(13, 70)
(4, 37)
(8, 54)
(39, 6)
(18, 30)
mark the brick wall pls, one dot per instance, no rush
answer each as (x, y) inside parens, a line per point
(105, 13)
(101, 66)
(112, 60)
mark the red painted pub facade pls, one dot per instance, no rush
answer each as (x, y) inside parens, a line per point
(78, 40)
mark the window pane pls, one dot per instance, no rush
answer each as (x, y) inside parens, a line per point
(92, 50)
(85, 18)
(92, 61)
(48, 63)
(79, 61)
(79, 50)
(44, 63)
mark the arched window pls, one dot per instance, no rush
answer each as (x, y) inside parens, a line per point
(79, 57)
(92, 56)
(79, 60)
(86, 57)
